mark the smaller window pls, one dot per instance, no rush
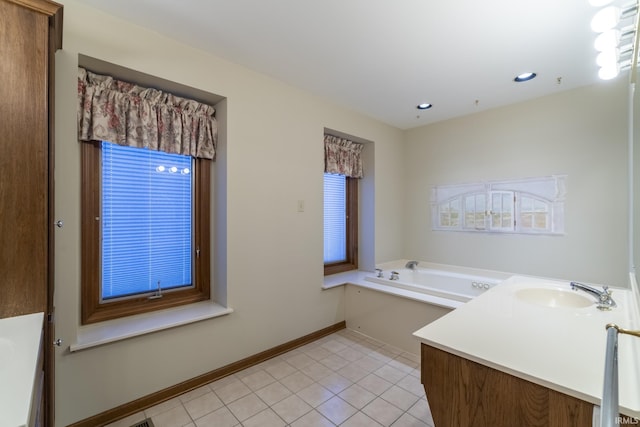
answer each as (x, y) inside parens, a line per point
(340, 223)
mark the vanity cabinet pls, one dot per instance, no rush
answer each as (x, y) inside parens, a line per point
(30, 33)
(467, 394)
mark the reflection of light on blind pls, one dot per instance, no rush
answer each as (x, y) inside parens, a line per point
(335, 221)
(146, 220)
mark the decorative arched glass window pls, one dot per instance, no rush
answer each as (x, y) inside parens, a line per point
(528, 206)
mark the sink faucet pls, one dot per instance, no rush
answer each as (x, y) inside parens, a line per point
(603, 297)
(411, 265)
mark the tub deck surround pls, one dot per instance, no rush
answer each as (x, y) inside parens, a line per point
(561, 348)
(407, 289)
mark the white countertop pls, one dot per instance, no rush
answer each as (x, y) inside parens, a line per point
(561, 348)
(19, 348)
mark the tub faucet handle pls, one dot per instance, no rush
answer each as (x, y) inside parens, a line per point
(394, 275)
(379, 272)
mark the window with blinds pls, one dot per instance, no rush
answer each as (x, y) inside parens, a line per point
(147, 233)
(335, 222)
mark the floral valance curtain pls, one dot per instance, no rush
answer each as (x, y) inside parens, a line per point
(342, 156)
(127, 114)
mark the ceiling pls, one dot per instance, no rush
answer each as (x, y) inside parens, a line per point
(383, 57)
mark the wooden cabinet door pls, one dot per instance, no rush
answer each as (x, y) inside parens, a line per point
(24, 170)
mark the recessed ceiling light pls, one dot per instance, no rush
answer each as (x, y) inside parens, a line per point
(524, 77)
(424, 106)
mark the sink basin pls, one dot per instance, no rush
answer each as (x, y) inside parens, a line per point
(555, 297)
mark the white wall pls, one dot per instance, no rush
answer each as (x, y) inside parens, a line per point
(273, 254)
(581, 133)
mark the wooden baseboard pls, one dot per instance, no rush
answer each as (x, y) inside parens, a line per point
(153, 399)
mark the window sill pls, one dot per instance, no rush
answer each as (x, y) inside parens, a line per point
(128, 327)
(340, 279)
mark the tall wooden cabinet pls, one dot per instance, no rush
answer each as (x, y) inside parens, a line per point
(30, 33)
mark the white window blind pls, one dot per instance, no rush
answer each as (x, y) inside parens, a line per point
(335, 221)
(146, 220)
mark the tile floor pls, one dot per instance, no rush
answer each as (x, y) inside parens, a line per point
(344, 379)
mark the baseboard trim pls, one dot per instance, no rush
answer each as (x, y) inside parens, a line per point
(153, 399)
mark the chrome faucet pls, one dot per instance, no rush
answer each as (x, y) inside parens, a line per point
(411, 265)
(379, 272)
(394, 275)
(605, 302)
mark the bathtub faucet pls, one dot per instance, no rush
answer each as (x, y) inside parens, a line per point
(411, 265)
(379, 272)
(604, 296)
(394, 275)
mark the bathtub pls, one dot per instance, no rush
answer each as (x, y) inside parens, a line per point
(440, 283)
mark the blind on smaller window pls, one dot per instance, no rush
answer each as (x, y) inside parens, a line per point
(335, 220)
(146, 220)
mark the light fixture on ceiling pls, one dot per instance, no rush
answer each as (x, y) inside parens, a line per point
(424, 106)
(615, 25)
(524, 77)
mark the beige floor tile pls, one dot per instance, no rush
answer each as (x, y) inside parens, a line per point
(382, 411)
(350, 354)
(317, 353)
(174, 417)
(353, 372)
(375, 384)
(246, 407)
(232, 391)
(357, 396)
(266, 418)
(280, 370)
(403, 364)
(300, 360)
(258, 379)
(421, 411)
(350, 379)
(316, 371)
(220, 418)
(291, 408)
(370, 364)
(273, 393)
(407, 420)
(162, 407)
(312, 419)
(335, 382)
(296, 381)
(390, 373)
(202, 405)
(335, 362)
(399, 397)
(195, 393)
(360, 419)
(412, 384)
(334, 346)
(336, 410)
(223, 382)
(315, 394)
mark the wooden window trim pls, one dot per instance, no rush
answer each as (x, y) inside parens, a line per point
(92, 309)
(351, 263)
